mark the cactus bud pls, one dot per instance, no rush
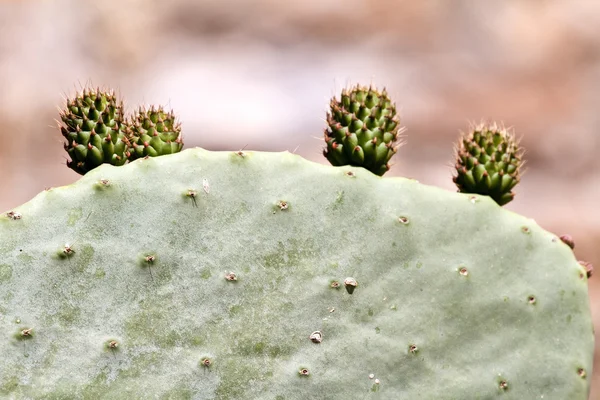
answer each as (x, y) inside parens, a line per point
(488, 162)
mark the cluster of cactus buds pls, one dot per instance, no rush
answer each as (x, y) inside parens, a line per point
(97, 132)
(362, 130)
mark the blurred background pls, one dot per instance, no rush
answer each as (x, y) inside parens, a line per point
(260, 73)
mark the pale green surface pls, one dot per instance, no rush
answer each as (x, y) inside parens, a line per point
(471, 331)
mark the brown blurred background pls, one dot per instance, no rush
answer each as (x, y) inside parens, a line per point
(259, 73)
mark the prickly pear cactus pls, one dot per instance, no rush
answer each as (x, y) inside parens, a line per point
(92, 124)
(362, 129)
(216, 275)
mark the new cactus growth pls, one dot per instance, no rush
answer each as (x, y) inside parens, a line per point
(488, 162)
(362, 129)
(154, 132)
(92, 124)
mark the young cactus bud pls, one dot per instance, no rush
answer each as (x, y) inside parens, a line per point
(153, 132)
(488, 162)
(362, 130)
(92, 125)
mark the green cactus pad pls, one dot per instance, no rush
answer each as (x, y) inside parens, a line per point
(230, 275)
(92, 124)
(362, 129)
(154, 132)
(488, 162)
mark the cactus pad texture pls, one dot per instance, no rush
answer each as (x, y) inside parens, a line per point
(488, 162)
(362, 129)
(92, 124)
(218, 275)
(154, 132)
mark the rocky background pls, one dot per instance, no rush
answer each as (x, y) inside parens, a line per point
(259, 73)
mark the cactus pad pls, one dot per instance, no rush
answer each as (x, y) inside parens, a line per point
(217, 275)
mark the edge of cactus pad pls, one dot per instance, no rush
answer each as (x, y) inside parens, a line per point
(230, 275)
